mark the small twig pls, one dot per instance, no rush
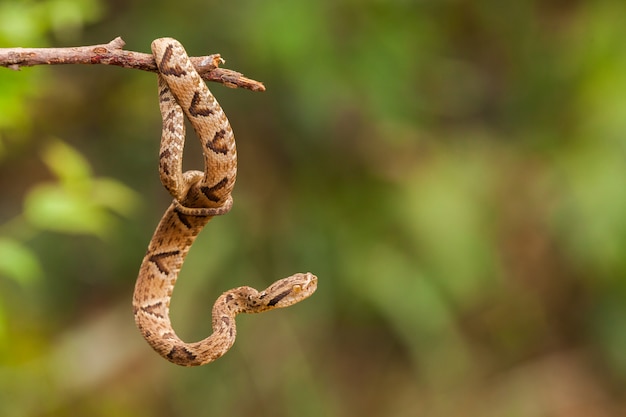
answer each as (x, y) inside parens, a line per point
(112, 54)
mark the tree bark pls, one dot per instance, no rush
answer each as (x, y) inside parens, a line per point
(112, 54)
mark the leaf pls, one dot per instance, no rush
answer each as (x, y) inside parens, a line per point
(72, 169)
(52, 207)
(115, 196)
(18, 262)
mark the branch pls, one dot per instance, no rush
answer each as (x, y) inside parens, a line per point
(113, 54)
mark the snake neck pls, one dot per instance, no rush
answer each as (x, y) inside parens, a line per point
(238, 300)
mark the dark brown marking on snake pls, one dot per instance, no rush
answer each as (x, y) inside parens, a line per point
(194, 108)
(157, 260)
(226, 320)
(182, 218)
(218, 144)
(181, 353)
(209, 192)
(168, 121)
(279, 297)
(166, 153)
(229, 298)
(152, 309)
(170, 115)
(164, 66)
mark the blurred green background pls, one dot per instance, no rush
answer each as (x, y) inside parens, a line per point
(453, 171)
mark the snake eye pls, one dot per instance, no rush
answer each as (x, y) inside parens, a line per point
(297, 288)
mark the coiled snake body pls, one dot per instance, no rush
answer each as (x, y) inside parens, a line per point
(198, 196)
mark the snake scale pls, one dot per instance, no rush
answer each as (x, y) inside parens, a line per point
(198, 197)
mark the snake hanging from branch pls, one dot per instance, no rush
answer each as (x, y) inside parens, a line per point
(198, 197)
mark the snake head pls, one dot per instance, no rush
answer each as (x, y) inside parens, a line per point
(288, 291)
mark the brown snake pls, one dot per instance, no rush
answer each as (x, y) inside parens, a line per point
(198, 196)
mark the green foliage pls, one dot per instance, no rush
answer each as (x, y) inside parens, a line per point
(452, 171)
(18, 261)
(77, 203)
(30, 22)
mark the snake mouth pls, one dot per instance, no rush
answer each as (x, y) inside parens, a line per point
(311, 281)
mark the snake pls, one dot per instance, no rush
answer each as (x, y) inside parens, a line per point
(198, 196)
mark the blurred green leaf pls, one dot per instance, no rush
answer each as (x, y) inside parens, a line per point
(15, 87)
(67, 164)
(443, 209)
(25, 23)
(20, 21)
(79, 203)
(590, 215)
(68, 16)
(115, 196)
(53, 207)
(18, 262)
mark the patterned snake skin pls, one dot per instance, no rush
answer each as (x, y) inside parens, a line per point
(198, 196)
